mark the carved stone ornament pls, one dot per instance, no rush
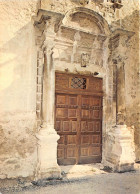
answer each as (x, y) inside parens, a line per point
(84, 59)
(81, 2)
(84, 2)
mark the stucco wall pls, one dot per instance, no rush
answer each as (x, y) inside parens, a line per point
(17, 88)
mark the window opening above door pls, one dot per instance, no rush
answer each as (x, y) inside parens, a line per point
(78, 83)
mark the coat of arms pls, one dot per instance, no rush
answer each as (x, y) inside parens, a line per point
(84, 59)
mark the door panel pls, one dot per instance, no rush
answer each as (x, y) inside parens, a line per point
(66, 126)
(78, 119)
(90, 136)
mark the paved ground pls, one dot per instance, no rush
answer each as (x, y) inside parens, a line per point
(94, 182)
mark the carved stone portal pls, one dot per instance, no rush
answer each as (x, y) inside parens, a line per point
(82, 44)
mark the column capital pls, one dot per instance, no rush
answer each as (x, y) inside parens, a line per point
(120, 36)
(48, 46)
(47, 18)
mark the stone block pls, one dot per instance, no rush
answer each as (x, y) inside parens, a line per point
(121, 150)
(47, 166)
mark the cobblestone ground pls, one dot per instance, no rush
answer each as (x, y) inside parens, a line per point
(110, 183)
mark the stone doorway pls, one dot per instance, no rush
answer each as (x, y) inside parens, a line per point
(65, 43)
(78, 118)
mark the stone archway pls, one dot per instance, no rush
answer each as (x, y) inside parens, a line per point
(77, 42)
(96, 18)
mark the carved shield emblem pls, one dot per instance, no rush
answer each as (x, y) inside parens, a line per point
(84, 59)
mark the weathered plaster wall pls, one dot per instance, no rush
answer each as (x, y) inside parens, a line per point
(132, 65)
(17, 88)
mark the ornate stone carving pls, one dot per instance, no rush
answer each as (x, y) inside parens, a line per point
(115, 4)
(81, 2)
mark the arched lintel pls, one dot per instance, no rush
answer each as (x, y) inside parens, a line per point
(100, 20)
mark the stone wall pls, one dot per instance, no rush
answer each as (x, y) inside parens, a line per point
(17, 88)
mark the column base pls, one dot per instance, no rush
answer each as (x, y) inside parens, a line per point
(48, 174)
(47, 167)
(120, 154)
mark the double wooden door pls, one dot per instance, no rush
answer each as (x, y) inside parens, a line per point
(78, 118)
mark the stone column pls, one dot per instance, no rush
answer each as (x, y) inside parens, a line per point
(120, 89)
(47, 166)
(121, 151)
(48, 87)
(123, 147)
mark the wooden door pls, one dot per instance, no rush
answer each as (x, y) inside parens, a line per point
(78, 118)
